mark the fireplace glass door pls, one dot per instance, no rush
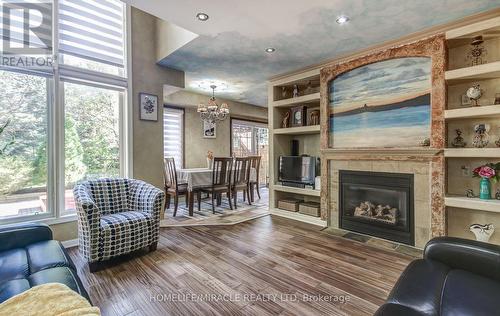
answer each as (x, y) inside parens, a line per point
(377, 204)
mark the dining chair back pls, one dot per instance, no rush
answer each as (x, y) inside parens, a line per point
(221, 181)
(221, 175)
(240, 178)
(255, 164)
(172, 186)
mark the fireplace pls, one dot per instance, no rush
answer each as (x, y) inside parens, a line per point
(378, 204)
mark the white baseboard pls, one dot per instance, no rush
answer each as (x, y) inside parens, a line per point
(70, 243)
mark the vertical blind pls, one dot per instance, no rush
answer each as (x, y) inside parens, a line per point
(173, 134)
(92, 29)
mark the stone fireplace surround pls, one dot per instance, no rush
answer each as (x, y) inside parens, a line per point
(427, 164)
(427, 169)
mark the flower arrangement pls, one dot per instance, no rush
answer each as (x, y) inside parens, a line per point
(210, 159)
(488, 171)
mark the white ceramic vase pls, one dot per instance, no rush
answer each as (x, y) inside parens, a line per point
(482, 232)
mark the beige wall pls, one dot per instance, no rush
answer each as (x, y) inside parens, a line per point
(196, 146)
(150, 78)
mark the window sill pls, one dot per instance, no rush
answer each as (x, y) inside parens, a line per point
(60, 220)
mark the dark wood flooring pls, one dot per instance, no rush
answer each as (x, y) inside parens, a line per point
(268, 266)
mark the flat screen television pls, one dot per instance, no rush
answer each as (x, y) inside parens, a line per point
(297, 170)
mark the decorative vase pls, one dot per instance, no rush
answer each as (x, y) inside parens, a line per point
(482, 232)
(210, 163)
(484, 189)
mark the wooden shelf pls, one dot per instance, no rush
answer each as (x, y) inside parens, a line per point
(480, 72)
(313, 129)
(283, 188)
(472, 112)
(473, 203)
(299, 217)
(472, 152)
(487, 28)
(305, 99)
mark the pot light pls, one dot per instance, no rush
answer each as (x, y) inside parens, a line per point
(270, 50)
(342, 19)
(202, 16)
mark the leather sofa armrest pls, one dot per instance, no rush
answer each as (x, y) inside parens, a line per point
(21, 235)
(470, 255)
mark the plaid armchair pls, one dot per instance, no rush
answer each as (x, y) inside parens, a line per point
(116, 216)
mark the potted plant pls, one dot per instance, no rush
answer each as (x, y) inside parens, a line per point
(486, 172)
(210, 159)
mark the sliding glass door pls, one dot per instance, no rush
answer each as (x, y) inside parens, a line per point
(250, 138)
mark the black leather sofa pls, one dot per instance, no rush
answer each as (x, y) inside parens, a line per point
(29, 257)
(455, 277)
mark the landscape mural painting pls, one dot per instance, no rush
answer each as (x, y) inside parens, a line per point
(384, 104)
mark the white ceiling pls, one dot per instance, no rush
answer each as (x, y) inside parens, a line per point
(230, 48)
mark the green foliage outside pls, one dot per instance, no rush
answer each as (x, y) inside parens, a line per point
(91, 133)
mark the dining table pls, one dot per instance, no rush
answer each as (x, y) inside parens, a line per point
(196, 178)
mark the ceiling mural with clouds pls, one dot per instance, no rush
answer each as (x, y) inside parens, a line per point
(230, 48)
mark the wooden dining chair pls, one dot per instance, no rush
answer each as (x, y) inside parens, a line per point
(221, 180)
(240, 179)
(172, 187)
(255, 163)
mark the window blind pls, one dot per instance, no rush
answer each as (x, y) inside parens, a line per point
(92, 29)
(173, 135)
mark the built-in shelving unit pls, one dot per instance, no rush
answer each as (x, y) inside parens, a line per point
(462, 210)
(477, 112)
(302, 130)
(472, 152)
(280, 102)
(305, 99)
(301, 191)
(474, 73)
(473, 203)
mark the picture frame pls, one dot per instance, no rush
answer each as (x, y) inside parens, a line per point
(465, 100)
(298, 116)
(209, 130)
(148, 107)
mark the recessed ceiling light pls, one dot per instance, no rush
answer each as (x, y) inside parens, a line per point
(270, 50)
(202, 16)
(342, 19)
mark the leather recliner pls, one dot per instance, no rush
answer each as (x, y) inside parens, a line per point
(29, 257)
(455, 277)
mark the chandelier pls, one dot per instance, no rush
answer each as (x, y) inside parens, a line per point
(213, 112)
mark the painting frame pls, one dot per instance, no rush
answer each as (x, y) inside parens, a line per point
(148, 107)
(433, 47)
(209, 129)
(385, 104)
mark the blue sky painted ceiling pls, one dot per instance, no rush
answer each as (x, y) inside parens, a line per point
(231, 44)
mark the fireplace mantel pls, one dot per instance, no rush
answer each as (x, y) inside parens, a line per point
(417, 154)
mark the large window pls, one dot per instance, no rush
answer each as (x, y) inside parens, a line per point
(91, 135)
(23, 144)
(173, 135)
(68, 123)
(251, 139)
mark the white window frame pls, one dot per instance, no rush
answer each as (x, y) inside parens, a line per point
(56, 117)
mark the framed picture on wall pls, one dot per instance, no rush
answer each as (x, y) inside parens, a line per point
(209, 130)
(148, 107)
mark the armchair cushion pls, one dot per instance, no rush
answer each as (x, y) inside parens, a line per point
(110, 195)
(13, 264)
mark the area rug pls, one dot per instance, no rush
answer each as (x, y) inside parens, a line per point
(223, 214)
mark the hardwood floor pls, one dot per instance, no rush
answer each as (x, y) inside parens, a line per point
(267, 266)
